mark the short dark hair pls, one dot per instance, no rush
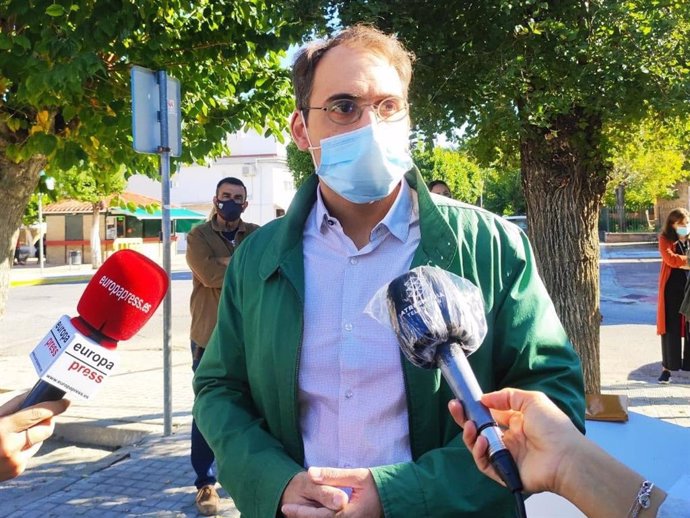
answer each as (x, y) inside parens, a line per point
(358, 36)
(434, 183)
(232, 181)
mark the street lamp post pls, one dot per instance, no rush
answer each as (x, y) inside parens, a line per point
(41, 252)
(49, 183)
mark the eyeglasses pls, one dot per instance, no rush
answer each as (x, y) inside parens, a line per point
(349, 111)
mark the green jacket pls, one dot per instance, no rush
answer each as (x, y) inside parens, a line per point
(246, 385)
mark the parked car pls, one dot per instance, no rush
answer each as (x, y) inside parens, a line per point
(519, 220)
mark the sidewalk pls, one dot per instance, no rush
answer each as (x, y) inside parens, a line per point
(625, 252)
(30, 274)
(114, 460)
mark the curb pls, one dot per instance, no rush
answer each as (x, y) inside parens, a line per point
(72, 279)
(108, 434)
(111, 433)
(67, 279)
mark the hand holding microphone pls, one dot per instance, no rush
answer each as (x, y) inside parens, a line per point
(439, 319)
(541, 438)
(78, 354)
(23, 431)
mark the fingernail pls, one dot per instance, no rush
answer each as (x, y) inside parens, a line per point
(338, 501)
(315, 473)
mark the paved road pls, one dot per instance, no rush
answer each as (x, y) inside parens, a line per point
(152, 476)
(628, 284)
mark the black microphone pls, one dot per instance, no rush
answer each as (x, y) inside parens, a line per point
(439, 320)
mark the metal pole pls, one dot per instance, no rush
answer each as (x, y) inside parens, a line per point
(164, 154)
(41, 252)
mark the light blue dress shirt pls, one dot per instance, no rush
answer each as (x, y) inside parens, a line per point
(353, 409)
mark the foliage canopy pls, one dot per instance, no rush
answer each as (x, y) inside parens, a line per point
(64, 74)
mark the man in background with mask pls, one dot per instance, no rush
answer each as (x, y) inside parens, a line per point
(209, 249)
(297, 376)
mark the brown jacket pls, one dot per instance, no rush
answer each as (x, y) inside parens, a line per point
(207, 251)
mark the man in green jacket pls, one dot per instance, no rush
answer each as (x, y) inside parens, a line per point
(296, 376)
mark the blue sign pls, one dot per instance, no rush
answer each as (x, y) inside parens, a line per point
(146, 127)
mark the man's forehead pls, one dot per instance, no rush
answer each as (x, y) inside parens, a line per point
(231, 189)
(357, 72)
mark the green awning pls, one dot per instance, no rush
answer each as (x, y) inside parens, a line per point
(175, 213)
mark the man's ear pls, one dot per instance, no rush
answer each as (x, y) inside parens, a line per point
(299, 131)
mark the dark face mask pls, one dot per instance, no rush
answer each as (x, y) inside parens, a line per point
(229, 210)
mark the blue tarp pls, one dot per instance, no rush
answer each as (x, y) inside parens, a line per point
(175, 213)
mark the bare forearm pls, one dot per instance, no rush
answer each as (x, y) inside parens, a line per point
(602, 487)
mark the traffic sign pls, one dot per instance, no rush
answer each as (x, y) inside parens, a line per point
(146, 128)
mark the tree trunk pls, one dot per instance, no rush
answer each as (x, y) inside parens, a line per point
(17, 183)
(564, 180)
(95, 235)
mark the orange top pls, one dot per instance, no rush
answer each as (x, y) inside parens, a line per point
(669, 260)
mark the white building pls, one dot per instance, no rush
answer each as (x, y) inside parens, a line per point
(258, 161)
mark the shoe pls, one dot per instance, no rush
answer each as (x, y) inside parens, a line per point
(207, 501)
(665, 377)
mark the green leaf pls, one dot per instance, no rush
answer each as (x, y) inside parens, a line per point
(13, 124)
(42, 144)
(69, 112)
(55, 10)
(23, 42)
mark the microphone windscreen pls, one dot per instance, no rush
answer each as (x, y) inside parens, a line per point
(429, 306)
(123, 294)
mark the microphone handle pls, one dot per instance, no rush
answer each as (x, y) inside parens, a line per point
(42, 391)
(459, 375)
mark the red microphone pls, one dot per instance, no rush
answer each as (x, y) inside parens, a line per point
(78, 353)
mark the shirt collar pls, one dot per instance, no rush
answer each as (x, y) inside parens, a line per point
(397, 221)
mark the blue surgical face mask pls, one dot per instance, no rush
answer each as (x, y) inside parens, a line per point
(682, 231)
(366, 164)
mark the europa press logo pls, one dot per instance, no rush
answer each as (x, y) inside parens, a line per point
(121, 293)
(71, 362)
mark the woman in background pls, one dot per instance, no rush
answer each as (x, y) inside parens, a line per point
(670, 324)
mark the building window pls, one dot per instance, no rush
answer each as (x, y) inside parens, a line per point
(133, 227)
(74, 227)
(152, 228)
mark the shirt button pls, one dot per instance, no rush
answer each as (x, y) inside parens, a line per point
(348, 394)
(348, 327)
(353, 260)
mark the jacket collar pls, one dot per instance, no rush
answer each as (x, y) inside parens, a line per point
(215, 225)
(438, 245)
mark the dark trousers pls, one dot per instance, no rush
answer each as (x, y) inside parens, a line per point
(203, 460)
(671, 358)
(677, 338)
